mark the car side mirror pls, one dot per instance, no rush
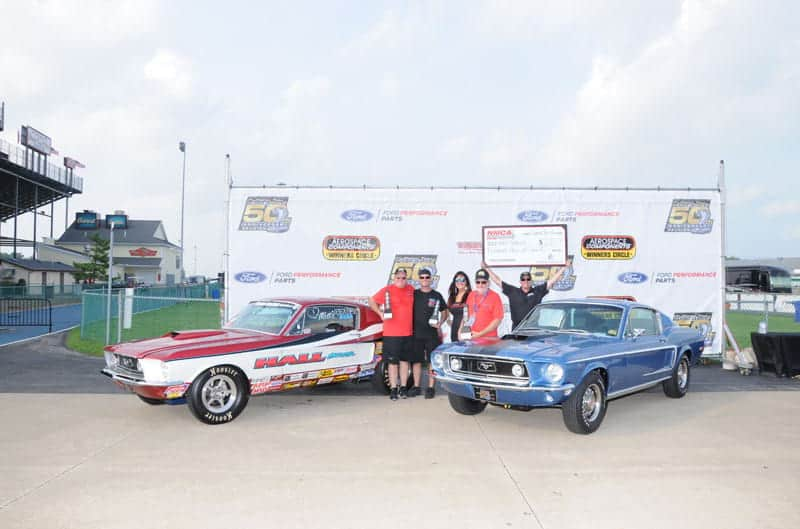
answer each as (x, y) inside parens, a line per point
(306, 330)
(634, 333)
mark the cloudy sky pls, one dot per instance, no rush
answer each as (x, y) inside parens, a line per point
(535, 92)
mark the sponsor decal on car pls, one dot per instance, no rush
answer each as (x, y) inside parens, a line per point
(270, 214)
(632, 278)
(326, 380)
(469, 247)
(290, 359)
(697, 320)
(542, 274)
(413, 264)
(176, 391)
(608, 247)
(398, 215)
(689, 216)
(351, 247)
(356, 215)
(532, 216)
(249, 276)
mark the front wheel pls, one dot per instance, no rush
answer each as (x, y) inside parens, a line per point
(677, 386)
(466, 406)
(218, 395)
(585, 408)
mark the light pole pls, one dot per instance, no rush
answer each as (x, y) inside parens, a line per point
(182, 147)
(110, 271)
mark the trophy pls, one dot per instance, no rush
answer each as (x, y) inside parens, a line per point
(466, 328)
(387, 306)
(433, 321)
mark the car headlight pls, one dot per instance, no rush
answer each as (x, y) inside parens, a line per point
(111, 360)
(438, 360)
(154, 370)
(455, 364)
(553, 373)
(518, 370)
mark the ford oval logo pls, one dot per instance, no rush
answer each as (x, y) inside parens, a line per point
(356, 215)
(532, 216)
(632, 278)
(250, 277)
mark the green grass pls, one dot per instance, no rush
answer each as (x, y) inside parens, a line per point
(183, 316)
(742, 324)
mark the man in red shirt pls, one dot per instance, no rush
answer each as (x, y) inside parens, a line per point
(398, 343)
(485, 307)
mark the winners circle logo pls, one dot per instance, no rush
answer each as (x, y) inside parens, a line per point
(270, 214)
(690, 216)
(608, 247)
(351, 248)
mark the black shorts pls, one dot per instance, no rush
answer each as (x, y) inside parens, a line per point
(423, 347)
(397, 348)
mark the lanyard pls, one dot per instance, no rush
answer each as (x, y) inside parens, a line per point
(476, 306)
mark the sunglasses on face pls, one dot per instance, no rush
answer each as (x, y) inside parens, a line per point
(400, 278)
(481, 282)
(525, 279)
(424, 277)
(461, 280)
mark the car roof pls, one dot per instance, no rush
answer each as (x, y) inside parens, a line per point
(308, 300)
(620, 303)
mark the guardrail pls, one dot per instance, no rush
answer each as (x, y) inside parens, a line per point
(20, 156)
(761, 302)
(26, 312)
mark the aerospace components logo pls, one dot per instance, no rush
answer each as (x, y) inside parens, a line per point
(608, 247)
(632, 278)
(532, 216)
(351, 248)
(356, 215)
(697, 320)
(541, 274)
(413, 264)
(690, 216)
(250, 277)
(270, 214)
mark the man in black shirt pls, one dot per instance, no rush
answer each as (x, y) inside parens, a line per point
(427, 302)
(524, 298)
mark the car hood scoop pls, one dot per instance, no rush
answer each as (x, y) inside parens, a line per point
(544, 345)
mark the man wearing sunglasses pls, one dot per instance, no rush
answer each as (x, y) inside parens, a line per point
(484, 306)
(430, 310)
(397, 331)
(524, 298)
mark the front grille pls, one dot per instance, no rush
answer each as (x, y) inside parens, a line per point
(127, 364)
(489, 367)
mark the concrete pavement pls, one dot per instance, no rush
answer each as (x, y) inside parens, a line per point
(352, 460)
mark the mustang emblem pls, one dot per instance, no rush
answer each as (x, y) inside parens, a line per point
(489, 367)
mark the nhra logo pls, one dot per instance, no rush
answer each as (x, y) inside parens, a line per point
(356, 215)
(542, 274)
(608, 247)
(689, 216)
(498, 234)
(413, 264)
(532, 216)
(632, 278)
(351, 248)
(250, 277)
(697, 320)
(270, 214)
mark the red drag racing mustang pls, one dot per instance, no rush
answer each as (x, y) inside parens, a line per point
(272, 345)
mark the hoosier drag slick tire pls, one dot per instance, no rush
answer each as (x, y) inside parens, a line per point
(466, 406)
(677, 386)
(585, 408)
(218, 395)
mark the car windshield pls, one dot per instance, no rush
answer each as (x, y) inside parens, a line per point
(573, 318)
(263, 317)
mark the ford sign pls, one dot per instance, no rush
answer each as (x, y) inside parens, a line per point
(632, 278)
(250, 277)
(356, 215)
(532, 216)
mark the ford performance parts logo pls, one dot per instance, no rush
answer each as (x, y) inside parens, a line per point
(532, 216)
(632, 278)
(250, 277)
(356, 215)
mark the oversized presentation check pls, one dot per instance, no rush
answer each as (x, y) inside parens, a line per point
(540, 245)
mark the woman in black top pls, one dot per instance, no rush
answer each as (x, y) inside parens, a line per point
(456, 300)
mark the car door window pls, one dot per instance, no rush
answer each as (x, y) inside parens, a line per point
(319, 319)
(643, 322)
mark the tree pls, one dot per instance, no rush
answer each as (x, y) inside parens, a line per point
(97, 267)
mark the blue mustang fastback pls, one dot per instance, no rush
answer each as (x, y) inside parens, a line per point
(575, 354)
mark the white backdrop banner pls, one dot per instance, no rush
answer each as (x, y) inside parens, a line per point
(660, 246)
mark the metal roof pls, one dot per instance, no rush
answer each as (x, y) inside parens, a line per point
(138, 232)
(143, 262)
(38, 266)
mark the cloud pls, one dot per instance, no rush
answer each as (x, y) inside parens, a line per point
(399, 30)
(456, 148)
(779, 208)
(739, 196)
(171, 71)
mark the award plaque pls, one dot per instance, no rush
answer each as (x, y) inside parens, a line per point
(537, 245)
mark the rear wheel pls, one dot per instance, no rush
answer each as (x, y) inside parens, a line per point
(585, 408)
(677, 386)
(466, 406)
(218, 395)
(380, 379)
(152, 402)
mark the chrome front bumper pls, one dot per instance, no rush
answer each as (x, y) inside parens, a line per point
(501, 385)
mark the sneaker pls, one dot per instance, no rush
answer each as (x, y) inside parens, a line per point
(393, 394)
(414, 392)
(429, 393)
(403, 393)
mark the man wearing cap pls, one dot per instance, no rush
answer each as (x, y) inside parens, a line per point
(430, 310)
(397, 331)
(522, 299)
(484, 306)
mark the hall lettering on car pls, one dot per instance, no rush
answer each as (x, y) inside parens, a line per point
(277, 361)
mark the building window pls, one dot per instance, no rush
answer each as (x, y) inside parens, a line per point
(178, 262)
